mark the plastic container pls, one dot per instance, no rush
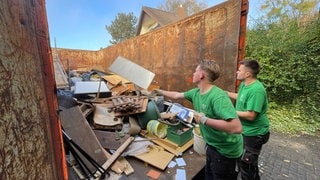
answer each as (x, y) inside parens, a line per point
(157, 128)
(179, 134)
(199, 145)
(152, 112)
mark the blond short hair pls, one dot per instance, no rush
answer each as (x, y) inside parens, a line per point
(212, 69)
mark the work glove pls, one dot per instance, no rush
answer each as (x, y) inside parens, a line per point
(156, 92)
(200, 118)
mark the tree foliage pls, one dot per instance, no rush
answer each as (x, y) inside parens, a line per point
(191, 6)
(288, 48)
(122, 28)
(124, 25)
(283, 10)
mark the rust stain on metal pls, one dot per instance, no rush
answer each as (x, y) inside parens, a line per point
(26, 125)
(172, 52)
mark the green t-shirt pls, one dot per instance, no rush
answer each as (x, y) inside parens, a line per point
(217, 105)
(253, 98)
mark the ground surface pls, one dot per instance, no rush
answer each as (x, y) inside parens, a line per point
(284, 157)
(291, 157)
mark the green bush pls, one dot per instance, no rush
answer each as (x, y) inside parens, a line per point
(290, 58)
(290, 119)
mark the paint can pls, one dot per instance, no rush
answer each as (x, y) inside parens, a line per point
(157, 128)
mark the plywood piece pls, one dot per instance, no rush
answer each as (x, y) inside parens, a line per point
(156, 156)
(79, 130)
(115, 79)
(119, 89)
(133, 72)
(129, 169)
(167, 144)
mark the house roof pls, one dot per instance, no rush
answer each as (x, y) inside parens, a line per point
(153, 18)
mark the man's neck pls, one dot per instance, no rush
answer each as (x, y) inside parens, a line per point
(249, 81)
(204, 87)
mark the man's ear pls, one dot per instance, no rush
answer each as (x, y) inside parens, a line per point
(202, 76)
(248, 74)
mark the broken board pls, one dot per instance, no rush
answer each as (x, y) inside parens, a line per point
(115, 79)
(132, 72)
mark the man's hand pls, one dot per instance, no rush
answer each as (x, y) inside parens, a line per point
(156, 92)
(198, 116)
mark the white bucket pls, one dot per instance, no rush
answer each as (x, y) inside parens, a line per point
(199, 145)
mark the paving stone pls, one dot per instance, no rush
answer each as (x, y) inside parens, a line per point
(290, 157)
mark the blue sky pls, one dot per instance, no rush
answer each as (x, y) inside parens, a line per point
(80, 24)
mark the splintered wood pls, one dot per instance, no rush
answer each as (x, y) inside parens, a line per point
(125, 105)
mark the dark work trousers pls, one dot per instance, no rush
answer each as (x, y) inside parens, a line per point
(219, 167)
(249, 160)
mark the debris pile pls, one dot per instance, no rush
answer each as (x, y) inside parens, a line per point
(105, 117)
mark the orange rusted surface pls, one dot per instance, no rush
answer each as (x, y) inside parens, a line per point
(59, 163)
(30, 140)
(242, 35)
(172, 52)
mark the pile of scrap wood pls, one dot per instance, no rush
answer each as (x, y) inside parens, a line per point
(104, 118)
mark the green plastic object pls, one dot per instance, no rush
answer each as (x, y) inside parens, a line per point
(179, 134)
(152, 113)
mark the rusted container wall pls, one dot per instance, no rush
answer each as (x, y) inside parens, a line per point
(30, 141)
(79, 58)
(172, 52)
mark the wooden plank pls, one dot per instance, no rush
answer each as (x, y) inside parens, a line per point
(59, 73)
(115, 79)
(167, 144)
(129, 169)
(118, 152)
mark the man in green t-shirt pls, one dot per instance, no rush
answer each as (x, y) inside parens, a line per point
(251, 106)
(219, 123)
